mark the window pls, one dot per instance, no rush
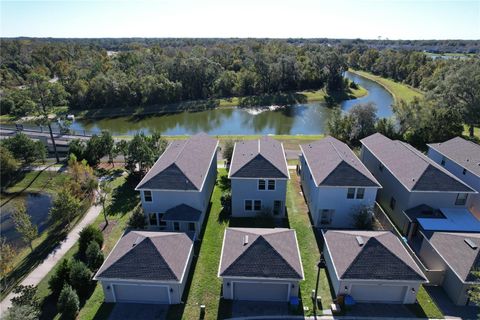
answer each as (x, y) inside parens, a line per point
(160, 220)
(277, 207)
(248, 205)
(147, 195)
(176, 226)
(360, 193)
(443, 161)
(380, 167)
(191, 226)
(326, 216)
(261, 184)
(152, 219)
(351, 193)
(257, 205)
(392, 203)
(461, 199)
(464, 171)
(271, 184)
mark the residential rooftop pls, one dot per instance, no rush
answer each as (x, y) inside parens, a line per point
(260, 253)
(370, 255)
(463, 152)
(262, 158)
(412, 168)
(183, 165)
(333, 163)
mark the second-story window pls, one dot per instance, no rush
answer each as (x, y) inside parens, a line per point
(360, 193)
(261, 184)
(464, 172)
(443, 161)
(351, 193)
(461, 199)
(147, 195)
(271, 184)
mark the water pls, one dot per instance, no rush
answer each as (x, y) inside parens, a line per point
(310, 118)
(37, 205)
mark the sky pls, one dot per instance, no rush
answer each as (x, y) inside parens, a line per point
(366, 19)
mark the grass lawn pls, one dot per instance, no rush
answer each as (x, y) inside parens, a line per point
(36, 181)
(309, 246)
(476, 131)
(399, 91)
(426, 307)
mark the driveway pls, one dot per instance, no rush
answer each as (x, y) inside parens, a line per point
(134, 311)
(380, 310)
(258, 308)
(449, 310)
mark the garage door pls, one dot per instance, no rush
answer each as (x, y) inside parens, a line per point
(260, 291)
(141, 294)
(375, 293)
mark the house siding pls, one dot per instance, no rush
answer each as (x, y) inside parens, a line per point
(247, 189)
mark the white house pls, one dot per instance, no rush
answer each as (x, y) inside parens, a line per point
(260, 264)
(410, 179)
(259, 175)
(147, 267)
(335, 183)
(371, 266)
(461, 158)
(457, 254)
(176, 192)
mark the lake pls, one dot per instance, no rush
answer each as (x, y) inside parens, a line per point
(37, 205)
(309, 118)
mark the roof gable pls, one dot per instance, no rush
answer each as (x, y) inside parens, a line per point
(345, 175)
(171, 178)
(182, 212)
(434, 179)
(258, 167)
(375, 261)
(465, 153)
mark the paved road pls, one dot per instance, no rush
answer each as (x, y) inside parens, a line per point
(49, 263)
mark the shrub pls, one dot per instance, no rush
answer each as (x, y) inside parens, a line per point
(363, 219)
(25, 296)
(137, 220)
(60, 277)
(23, 312)
(88, 234)
(68, 302)
(80, 278)
(94, 256)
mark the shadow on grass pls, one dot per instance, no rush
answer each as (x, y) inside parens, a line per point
(224, 183)
(125, 198)
(224, 310)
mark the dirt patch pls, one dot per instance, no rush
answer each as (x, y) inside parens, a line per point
(106, 230)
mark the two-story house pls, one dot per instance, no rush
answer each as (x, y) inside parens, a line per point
(409, 180)
(259, 175)
(335, 183)
(176, 192)
(462, 158)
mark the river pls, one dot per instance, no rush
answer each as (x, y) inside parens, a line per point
(309, 118)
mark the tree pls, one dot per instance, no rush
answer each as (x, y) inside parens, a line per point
(88, 234)
(227, 151)
(25, 149)
(363, 118)
(65, 208)
(7, 254)
(60, 277)
(47, 96)
(68, 302)
(23, 312)
(94, 256)
(9, 166)
(121, 147)
(386, 126)
(85, 182)
(80, 278)
(77, 147)
(144, 150)
(137, 219)
(103, 196)
(25, 295)
(474, 291)
(338, 125)
(363, 218)
(23, 224)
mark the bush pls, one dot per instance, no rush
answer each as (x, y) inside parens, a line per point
(25, 149)
(23, 312)
(60, 277)
(80, 278)
(137, 220)
(364, 218)
(94, 256)
(88, 234)
(68, 302)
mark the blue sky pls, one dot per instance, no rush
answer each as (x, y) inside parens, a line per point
(368, 19)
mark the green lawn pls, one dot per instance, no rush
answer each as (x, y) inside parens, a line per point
(309, 246)
(426, 307)
(399, 91)
(476, 131)
(36, 181)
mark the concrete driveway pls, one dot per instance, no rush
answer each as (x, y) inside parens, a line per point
(134, 311)
(258, 308)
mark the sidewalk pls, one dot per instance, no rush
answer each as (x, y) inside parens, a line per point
(49, 263)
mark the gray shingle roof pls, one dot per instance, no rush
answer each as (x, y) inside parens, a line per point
(182, 212)
(269, 253)
(333, 163)
(382, 256)
(143, 255)
(183, 166)
(412, 168)
(457, 253)
(262, 158)
(465, 153)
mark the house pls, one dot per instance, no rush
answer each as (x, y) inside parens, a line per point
(458, 255)
(335, 183)
(260, 264)
(410, 179)
(462, 159)
(259, 175)
(371, 266)
(176, 192)
(147, 267)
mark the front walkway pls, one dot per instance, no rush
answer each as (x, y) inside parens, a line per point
(49, 263)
